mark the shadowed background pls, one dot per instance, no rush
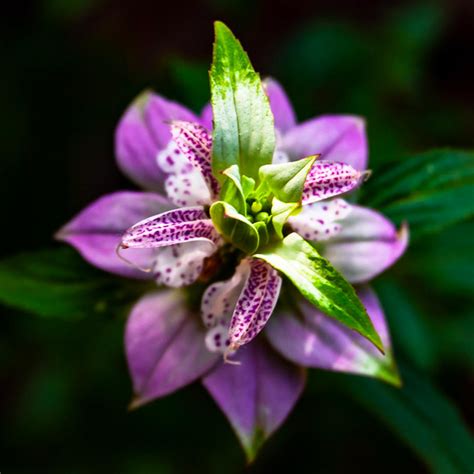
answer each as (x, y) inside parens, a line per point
(69, 69)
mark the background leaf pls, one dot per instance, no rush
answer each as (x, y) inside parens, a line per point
(243, 122)
(422, 417)
(58, 283)
(430, 191)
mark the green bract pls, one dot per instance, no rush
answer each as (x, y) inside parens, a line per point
(243, 132)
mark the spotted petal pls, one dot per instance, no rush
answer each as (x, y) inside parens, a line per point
(142, 132)
(320, 220)
(257, 395)
(164, 344)
(195, 143)
(173, 227)
(96, 231)
(327, 179)
(367, 244)
(335, 137)
(255, 304)
(312, 339)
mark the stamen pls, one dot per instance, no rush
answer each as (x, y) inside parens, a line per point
(365, 175)
(231, 351)
(128, 262)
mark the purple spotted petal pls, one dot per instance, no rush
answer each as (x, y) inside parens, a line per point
(97, 230)
(312, 339)
(206, 116)
(142, 132)
(327, 179)
(164, 344)
(336, 138)
(282, 109)
(178, 226)
(257, 395)
(367, 245)
(195, 143)
(255, 304)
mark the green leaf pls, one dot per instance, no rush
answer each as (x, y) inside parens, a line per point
(234, 227)
(430, 191)
(281, 211)
(422, 417)
(320, 283)
(243, 132)
(58, 283)
(232, 191)
(262, 230)
(286, 180)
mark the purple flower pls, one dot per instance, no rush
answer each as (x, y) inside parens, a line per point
(166, 149)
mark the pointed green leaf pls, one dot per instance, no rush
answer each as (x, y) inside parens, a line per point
(234, 227)
(281, 211)
(262, 232)
(320, 283)
(286, 180)
(243, 132)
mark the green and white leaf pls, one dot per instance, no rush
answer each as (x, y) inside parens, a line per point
(243, 132)
(320, 283)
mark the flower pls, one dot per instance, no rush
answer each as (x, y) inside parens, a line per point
(167, 150)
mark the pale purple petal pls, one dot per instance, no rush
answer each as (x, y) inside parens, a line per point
(255, 304)
(195, 143)
(173, 227)
(308, 337)
(142, 132)
(257, 395)
(282, 109)
(97, 230)
(327, 179)
(181, 264)
(337, 138)
(367, 245)
(321, 220)
(164, 344)
(206, 116)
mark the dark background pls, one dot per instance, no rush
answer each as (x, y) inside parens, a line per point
(69, 69)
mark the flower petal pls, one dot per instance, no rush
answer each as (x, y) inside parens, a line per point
(173, 227)
(141, 133)
(367, 244)
(257, 395)
(320, 220)
(195, 143)
(336, 137)
(97, 230)
(181, 264)
(206, 116)
(327, 179)
(185, 184)
(164, 345)
(255, 304)
(312, 339)
(282, 109)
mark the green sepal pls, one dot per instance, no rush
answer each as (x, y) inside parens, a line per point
(286, 180)
(243, 131)
(320, 283)
(281, 211)
(262, 230)
(234, 227)
(248, 185)
(232, 191)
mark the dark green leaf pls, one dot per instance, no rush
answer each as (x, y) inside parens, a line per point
(430, 191)
(58, 283)
(320, 283)
(422, 417)
(243, 132)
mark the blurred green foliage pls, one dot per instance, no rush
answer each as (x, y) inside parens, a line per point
(69, 70)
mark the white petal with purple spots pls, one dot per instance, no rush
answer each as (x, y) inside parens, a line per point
(195, 143)
(320, 220)
(327, 179)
